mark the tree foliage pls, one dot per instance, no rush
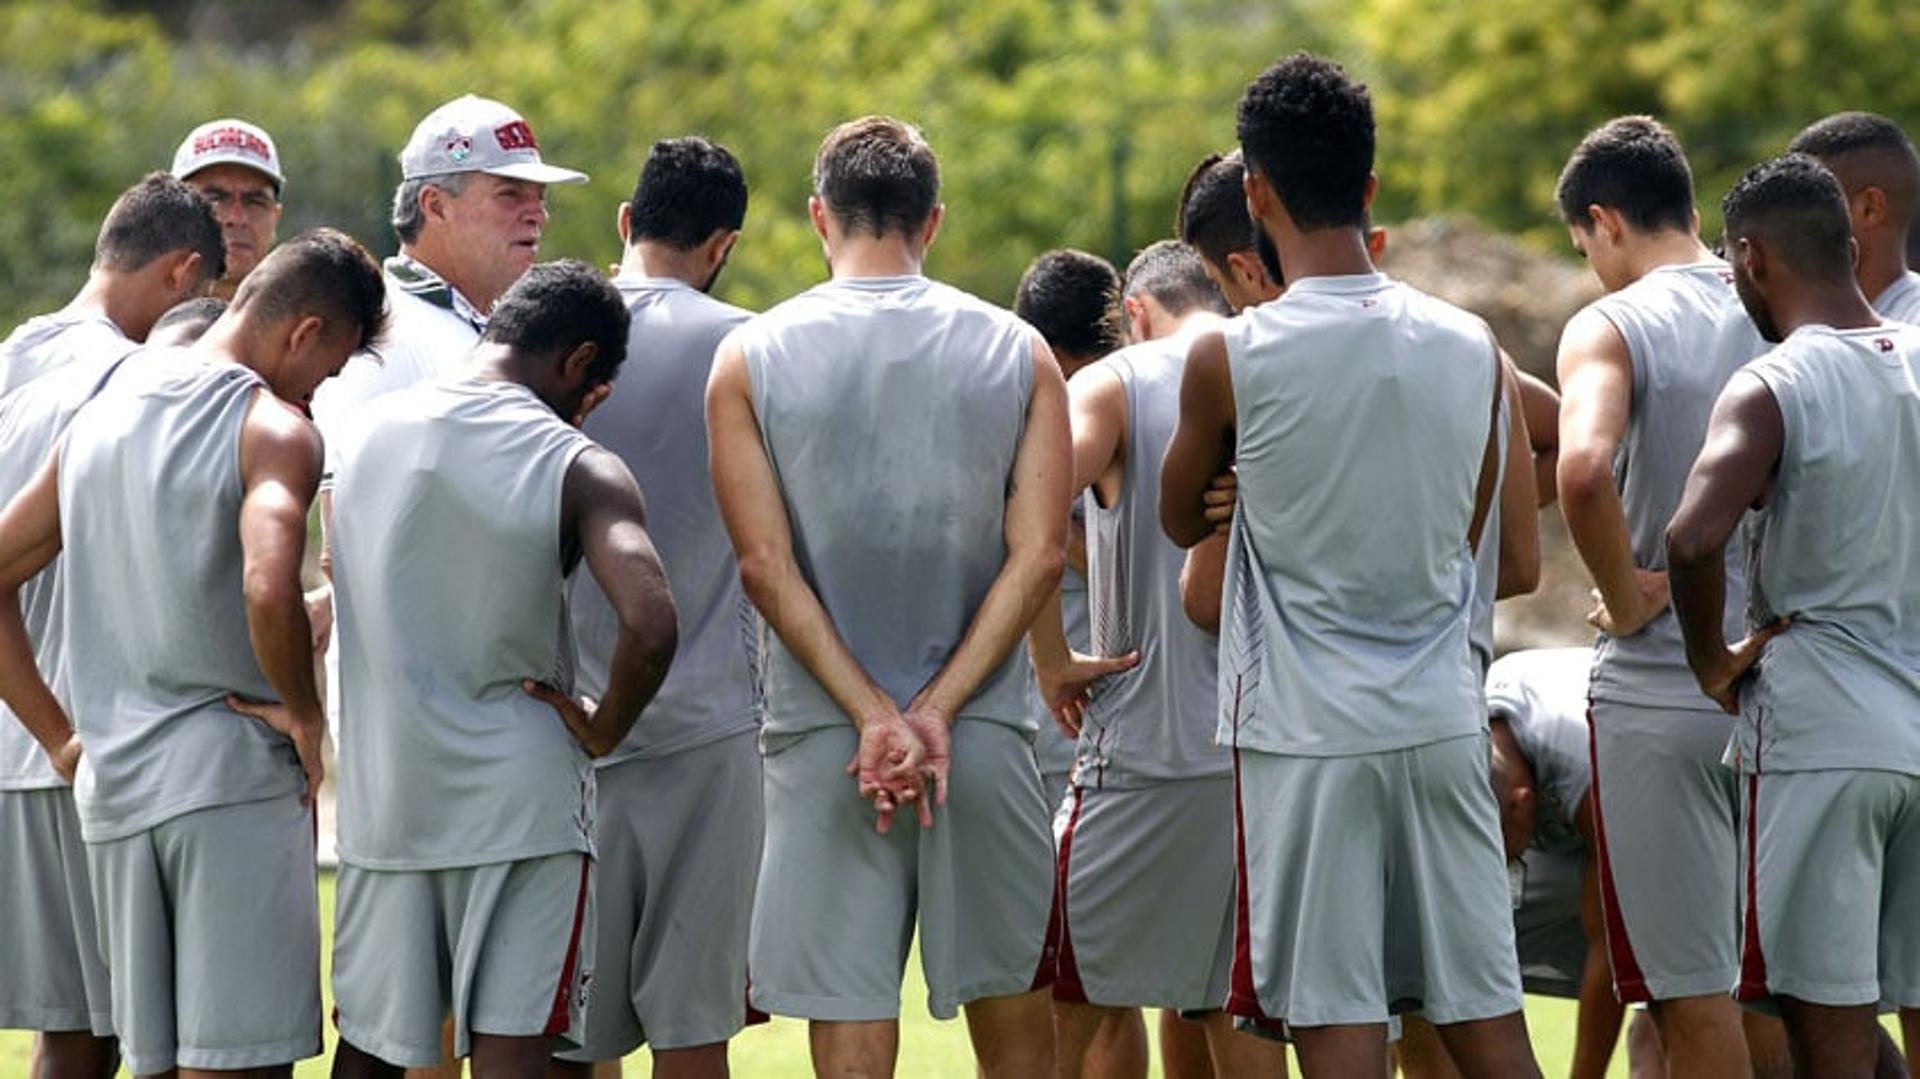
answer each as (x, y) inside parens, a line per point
(1058, 122)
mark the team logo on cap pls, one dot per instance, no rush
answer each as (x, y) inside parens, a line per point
(459, 147)
(231, 138)
(515, 136)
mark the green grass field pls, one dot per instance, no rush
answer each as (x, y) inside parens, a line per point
(928, 1049)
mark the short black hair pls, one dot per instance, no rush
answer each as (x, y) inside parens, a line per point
(878, 175)
(688, 189)
(1866, 149)
(1073, 299)
(322, 272)
(158, 216)
(1794, 205)
(1173, 274)
(198, 313)
(1308, 128)
(1213, 208)
(1632, 164)
(557, 306)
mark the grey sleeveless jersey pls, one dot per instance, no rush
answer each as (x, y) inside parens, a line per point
(1837, 551)
(447, 569)
(31, 423)
(1486, 560)
(46, 343)
(1687, 334)
(656, 422)
(1900, 301)
(1363, 412)
(891, 409)
(151, 596)
(1051, 748)
(1542, 694)
(1155, 722)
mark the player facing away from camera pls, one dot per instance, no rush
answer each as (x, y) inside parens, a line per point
(466, 786)
(679, 800)
(52, 977)
(1347, 690)
(158, 245)
(1212, 218)
(1816, 437)
(891, 459)
(1639, 369)
(1145, 884)
(1878, 169)
(186, 482)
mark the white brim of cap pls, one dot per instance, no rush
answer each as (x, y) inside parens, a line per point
(241, 160)
(537, 173)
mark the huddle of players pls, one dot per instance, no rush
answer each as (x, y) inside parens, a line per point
(893, 462)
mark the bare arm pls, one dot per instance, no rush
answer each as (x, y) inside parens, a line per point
(602, 511)
(280, 458)
(890, 755)
(29, 541)
(1734, 471)
(1540, 403)
(1202, 444)
(1519, 494)
(1202, 579)
(1486, 489)
(1596, 397)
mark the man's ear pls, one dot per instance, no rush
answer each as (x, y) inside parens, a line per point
(817, 215)
(184, 275)
(1872, 207)
(307, 330)
(575, 365)
(1245, 268)
(720, 245)
(623, 223)
(932, 228)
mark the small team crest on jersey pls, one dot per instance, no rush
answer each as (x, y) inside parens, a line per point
(459, 147)
(1884, 344)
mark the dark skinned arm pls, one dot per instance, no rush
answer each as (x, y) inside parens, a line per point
(1519, 497)
(1733, 472)
(603, 515)
(1202, 443)
(280, 460)
(29, 542)
(1597, 1028)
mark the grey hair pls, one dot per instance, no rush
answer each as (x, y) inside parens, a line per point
(407, 218)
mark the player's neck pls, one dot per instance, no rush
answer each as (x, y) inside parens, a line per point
(1653, 250)
(1839, 306)
(438, 261)
(866, 255)
(663, 261)
(1881, 264)
(1332, 252)
(116, 298)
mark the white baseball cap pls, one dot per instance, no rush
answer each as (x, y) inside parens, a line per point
(228, 142)
(477, 134)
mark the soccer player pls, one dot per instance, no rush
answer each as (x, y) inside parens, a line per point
(186, 322)
(1880, 172)
(158, 245)
(185, 482)
(892, 461)
(1639, 369)
(679, 801)
(466, 823)
(1146, 856)
(1073, 299)
(235, 167)
(1816, 436)
(1213, 220)
(1363, 416)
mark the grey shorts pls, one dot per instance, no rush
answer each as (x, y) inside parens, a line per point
(1665, 817)
(1370, 886)
(211, 926)
(51, 974)
(679, 842)
(504, 949)
(837, 905)
(1546, 926)
(1831, 902)
(1146, 886)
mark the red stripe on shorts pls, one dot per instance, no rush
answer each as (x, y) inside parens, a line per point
(1753, 961)
(1057, 968)
(558, 1018)
(1243, 998)
(1628, 982)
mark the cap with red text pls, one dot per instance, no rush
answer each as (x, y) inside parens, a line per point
(477, 134)
(228, 142)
